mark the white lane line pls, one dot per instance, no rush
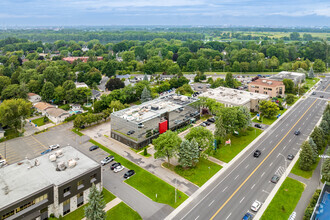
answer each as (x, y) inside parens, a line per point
(265, 191)
(253, 186)
(247, 166)
(263, 149)
(236, 177)
(271, 164)
(242, 200)
(262, 174)
(228, 216)
(284, 147)
(290, 140)
(276, 135)
(224, 189)
(294, 148)
(282, 129)
(211, 203)
(307, 119)
(270, 142)
(196, 217)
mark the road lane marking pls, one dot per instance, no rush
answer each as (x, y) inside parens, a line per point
(271, 164)
(262, 174)
(232, 195)
(242, 200)
(284, 147)
(265, 191)
(263, 149)
(196, 217)
(276, 135)
(224, 189)
(326, 88)
(253, 186)
(211, 203)
(247, 166)
(236, 177)
(228, 216)
(290, 140)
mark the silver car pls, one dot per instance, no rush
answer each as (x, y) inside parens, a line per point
(107, 160)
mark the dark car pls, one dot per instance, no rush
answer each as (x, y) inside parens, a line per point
(207, 123)
(114, 165)
(129, 173)
(94, 147)
(297, 132)
(275, 179)
(212, 120)
(257, 125)
(46, 151)
(290, 157)
(313, 93)
(257, 153)
(130, 132)
(247, 216)
(321, 96)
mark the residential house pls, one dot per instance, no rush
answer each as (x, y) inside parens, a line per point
(43, 106)
(57, 115)
(32, 97)
(96, 94)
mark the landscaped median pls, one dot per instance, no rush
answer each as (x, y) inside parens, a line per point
(226, 153)
(269, 121)
(199, 174)
(147, 183)
(285, 200)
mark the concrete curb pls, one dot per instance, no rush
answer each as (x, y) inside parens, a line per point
(225, 167)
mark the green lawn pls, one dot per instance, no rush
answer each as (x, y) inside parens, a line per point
(311, 82)
(306, 174)
(147, 156)
(107, 196)
(268, 121)
(122, 211)
(39, 121)
(226, 153)
(75, 130)
(285, 200)
(11, 133)
(147, 183)
(198, 175)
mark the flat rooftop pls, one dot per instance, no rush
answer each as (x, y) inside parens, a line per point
(24, 178)
(287, 75)
(232, 96)
(154, 108)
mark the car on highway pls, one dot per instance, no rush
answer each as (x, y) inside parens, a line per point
(256, 206)
(107, 160)
(46, 151)
(290, 157)
(321, 96)
(275, 179)
(257, 153)
(297, 132)
(54, 146)
(114, 165)
(128, 174)
(212, 120)
(118, 168)
(247, 216)
(257, 125)
(94, 147)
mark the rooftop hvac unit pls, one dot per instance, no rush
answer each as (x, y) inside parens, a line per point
(270, 82)
(264, 81)
(52, 157)
(72, 163)
(59, 153)
(61, 166)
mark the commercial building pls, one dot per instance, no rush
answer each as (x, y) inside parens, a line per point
(295, 77)
(56, 183)
(233, 97)
(269, 87)
(138, 125)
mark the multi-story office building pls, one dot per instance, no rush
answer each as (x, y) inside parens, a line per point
(233, 97)
(56, 183)
(269, 87)
(294, 76)
(138, 125)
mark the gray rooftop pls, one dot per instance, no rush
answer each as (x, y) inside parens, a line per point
(19, 181)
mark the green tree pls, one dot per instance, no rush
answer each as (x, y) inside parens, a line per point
(110, 68)
(128, 56)
(4, 82)
(326, 169)
(145, 96)
(188, 153)
(202, 136)
(166, 145)
(325, 127)
(94, 209)
(268, 109)
(47, 91)
(317, 136)
(306, 156)
(229, 80)
(13, 111)
(93, 77)
(116, 105)
(59, 94)
(294, 36)
(229, 119)
(319, 66)
(114, 83)
(244, 117)
(311, 73)
(174, 69)
(79, 121)
(289, 98)
(220, 131)
(314, 148)
(289, 85)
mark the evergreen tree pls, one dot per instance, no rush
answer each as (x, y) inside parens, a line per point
(318, 138)
(96, 204)
(325, 127)
(220, 131)
(314, 147)
(145, 96)
(188, 153)
(311, 73)
(326, 169)
(306, 156)
(145, 78)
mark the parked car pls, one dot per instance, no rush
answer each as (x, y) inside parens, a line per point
(257, 125)
(207, 123)
(114, 165)
(118, 168)
(94, 147)
(257, 153)
(256, 206)
(46, 151)
(130, 132)
(212, 120)
(54, 146)
(3, 163)
(297, 132)
(128, 174)
(247, 216)
(275, 179)
(290, 157)
(203, 124)
(321, 96)
(313, 93)
(107, 160)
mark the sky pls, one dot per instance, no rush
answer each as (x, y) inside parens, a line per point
(276, 13)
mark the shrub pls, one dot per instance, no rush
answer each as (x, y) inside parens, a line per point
(310, 208)
(145, 152)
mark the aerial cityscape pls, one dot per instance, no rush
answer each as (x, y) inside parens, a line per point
(164, 110)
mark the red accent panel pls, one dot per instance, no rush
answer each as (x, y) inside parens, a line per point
(162, 127)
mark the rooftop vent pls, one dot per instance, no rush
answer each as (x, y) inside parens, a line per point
(61, 166)
(264, 81)
(52, 157)
(270, 82)
(72, 163)
(59, 153)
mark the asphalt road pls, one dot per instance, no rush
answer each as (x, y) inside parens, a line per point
(248, 179)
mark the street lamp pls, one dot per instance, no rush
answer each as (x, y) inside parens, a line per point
(285, 162)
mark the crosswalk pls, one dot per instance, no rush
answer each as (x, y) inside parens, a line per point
(280, 171)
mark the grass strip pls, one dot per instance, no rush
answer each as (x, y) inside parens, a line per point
(122, 211)
(75, 130)
(306, 174)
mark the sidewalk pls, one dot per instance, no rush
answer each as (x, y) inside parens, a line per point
(151, 164)
(110, 205)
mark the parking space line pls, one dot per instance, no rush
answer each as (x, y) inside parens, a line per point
(39, 142)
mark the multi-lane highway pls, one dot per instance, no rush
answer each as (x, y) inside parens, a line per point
(231, 195)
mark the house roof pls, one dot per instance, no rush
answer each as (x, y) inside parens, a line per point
(43, 105)
(30, 94)
(56, 112)
(95, 93)
(267, 82)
